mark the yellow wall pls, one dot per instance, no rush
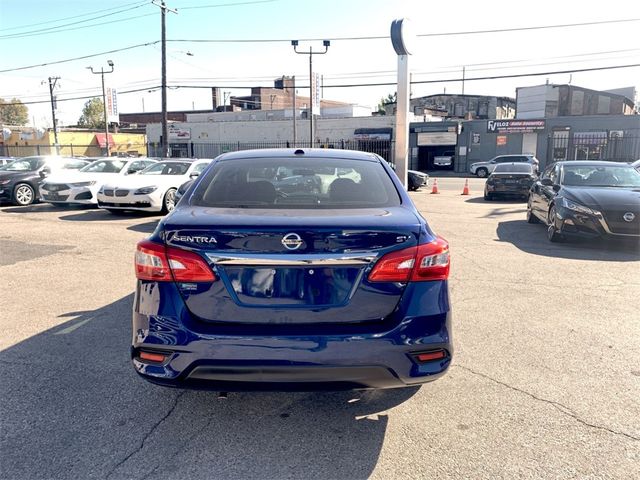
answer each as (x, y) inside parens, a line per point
(24, 141)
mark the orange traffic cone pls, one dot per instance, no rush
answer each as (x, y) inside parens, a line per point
(435, 186)
(465, 190)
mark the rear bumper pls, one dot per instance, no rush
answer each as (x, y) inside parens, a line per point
(332, 357)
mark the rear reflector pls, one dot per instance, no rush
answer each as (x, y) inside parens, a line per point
(152, 357)
(431, 356)
(429, 261)
(157, 262)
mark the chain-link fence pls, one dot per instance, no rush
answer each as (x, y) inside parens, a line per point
(74, 150)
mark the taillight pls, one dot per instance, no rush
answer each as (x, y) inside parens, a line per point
(429, 261)
(166, 264)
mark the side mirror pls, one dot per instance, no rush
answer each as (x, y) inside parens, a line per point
(546, 182)
(556, 188)
(45, 172)
(194, 174)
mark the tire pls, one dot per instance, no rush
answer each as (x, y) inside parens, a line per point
(531, 217)
(24, 194)
(168, 203)
(488, 197)
(553, 235)
(482, 172)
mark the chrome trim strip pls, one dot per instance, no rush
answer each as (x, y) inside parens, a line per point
(288, 260)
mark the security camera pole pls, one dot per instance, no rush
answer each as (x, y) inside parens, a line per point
(401, 39)
(312, 90)
(104, 101)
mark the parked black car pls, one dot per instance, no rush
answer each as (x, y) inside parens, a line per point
(19, 179)
(588, 198)
(510, 179)
(416, 179)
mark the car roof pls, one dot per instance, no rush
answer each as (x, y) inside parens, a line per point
(592, 163)
(306, 152)
(516, 155)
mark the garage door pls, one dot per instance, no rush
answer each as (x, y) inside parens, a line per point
(437, 138)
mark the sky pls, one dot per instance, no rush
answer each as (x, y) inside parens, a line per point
(253, 47)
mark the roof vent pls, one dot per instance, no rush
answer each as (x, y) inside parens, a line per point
(299, 152)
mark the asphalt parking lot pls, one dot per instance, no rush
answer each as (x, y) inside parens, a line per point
(545, 381)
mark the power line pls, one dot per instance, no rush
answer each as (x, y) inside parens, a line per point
(380, 37)
(226, 4)
(522, 29)
(57, 28)
(131, 47)
(12, 37)
(382, 84)
(314, 39)
(71, 18)
(493, 77)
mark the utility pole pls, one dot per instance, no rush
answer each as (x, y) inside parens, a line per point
(295, 139)
(163, 74)
(52, 85)
(104, 101)
(325, 44)
(464, 69)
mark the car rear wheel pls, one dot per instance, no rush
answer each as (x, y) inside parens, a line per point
(552, 232)
(169, 202)
(531, 217)
(23, 194)
(482, 172)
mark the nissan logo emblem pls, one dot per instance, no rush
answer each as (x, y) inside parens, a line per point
(292, 241)
(629, 217)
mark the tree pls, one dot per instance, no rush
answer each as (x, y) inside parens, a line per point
(13, 112)
(92, 114)
(391, 98)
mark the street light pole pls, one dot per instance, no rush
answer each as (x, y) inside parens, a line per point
(326, 44)
(104, 101)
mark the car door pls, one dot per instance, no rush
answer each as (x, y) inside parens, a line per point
(547, 192)
(537, 203)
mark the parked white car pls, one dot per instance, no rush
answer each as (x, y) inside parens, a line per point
(153, 189)
(483, 169)
(81, 187)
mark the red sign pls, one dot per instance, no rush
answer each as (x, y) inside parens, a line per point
(501, 140)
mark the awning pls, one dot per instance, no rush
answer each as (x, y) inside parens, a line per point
(100, 138)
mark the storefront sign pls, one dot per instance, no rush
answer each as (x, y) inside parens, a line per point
(514, 126)
(176, 133)
(476, 139)
(501, 140)
(437, 138)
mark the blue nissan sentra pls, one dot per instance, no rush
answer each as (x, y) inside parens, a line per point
(287, 269)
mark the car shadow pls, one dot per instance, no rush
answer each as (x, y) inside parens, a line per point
(147, 227)
(103, 215)
(501, 200)
(533, 239)
(47, 207)
(73, 407)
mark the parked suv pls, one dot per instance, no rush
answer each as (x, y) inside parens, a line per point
(483, 169)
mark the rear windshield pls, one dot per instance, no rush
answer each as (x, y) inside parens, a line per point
(280, 183)
(105, 166)
(513, 168)
(167, 168)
